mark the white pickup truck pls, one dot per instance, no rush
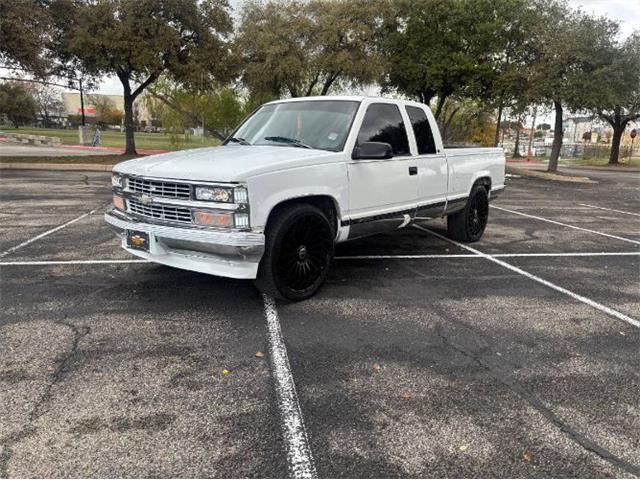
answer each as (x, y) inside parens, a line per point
(295, 178)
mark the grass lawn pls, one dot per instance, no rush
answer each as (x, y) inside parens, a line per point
(153, 141)
(602, 161)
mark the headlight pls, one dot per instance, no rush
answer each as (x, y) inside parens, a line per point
(214, 194)
(222, 194)
(117, 180)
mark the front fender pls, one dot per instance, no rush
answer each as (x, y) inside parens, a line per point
(268, 190)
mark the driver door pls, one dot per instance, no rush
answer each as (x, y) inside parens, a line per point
(383, 193)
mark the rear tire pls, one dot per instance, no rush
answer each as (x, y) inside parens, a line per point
(298, 253)
(469, 224)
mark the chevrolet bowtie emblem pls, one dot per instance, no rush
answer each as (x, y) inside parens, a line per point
(146, 199)
(137, 240)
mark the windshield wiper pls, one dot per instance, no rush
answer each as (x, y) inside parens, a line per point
(291, 141)
(239, 140)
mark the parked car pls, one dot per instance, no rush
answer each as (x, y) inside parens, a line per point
(295, 178)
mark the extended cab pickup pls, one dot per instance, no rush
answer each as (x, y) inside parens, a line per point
(295, 178)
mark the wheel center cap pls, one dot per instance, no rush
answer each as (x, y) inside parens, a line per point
(302, 252)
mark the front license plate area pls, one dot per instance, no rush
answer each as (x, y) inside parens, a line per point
(138, 240)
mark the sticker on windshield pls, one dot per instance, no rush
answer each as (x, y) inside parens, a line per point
(332, 136)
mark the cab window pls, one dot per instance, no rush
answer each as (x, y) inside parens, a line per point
(383, 123)
(421, 130)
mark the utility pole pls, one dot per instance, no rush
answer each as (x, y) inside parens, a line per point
(81, 101)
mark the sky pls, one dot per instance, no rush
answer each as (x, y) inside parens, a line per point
(626, 12)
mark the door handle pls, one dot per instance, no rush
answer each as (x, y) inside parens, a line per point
(413, 170)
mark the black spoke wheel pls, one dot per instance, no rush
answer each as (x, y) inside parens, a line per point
(469, 224)
(298, 254)
(478, 214)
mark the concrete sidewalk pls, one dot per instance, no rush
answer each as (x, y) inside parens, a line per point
(86, 167)
(18, 150)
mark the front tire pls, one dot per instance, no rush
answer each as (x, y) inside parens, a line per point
(298, 253)
(469, 224)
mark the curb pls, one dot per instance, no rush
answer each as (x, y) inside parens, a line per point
(87, 167)
(526, 172)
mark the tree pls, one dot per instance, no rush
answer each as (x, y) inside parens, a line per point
(106, 111)
(455, 48)
(220, 109)
(306, 48)
(138, 40)
(619, 87)
(466, 122)
(518, 128)
(23, 28)
(571, 48)
(48, 100)
(17, 104)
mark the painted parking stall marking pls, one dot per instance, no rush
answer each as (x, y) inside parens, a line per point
(575, 296)
(299, 457)
(48, 232)
(535, 217)
(611, 209)
(27, 263)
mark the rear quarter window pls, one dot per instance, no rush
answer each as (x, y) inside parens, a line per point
(421, 130)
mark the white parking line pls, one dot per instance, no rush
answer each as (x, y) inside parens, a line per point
(71, 262)
(567, 225)
(48, 232)
(611, 209)
(503, 255)
(575, 296)
(346, 257)
(299, 455)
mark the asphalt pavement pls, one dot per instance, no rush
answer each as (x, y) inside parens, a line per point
(516, 356)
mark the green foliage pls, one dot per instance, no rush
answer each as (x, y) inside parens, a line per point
(617, 99)
(178, 108)
(17, 104)
(24, 25)
(138, 40)
(106, 111)
(466, 122)
(466, 48)
(543, 126)
(305, 48)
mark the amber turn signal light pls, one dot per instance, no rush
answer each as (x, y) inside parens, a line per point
(118, 202)
(213, 219)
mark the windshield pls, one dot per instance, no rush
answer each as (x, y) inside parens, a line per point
(319, 124)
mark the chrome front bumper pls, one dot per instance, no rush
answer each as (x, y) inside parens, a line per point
(227, 254)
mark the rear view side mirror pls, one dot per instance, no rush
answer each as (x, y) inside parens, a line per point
(372, 151)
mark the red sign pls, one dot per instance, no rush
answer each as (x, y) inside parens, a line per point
(633, 133)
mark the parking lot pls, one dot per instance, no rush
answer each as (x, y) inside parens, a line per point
(517, 356)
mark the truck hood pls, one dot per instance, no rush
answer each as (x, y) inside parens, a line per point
(229, 163)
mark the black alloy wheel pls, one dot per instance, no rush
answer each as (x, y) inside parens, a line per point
(478, 215)
(299, 251)
(469, 224)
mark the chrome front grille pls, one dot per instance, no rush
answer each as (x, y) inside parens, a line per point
(160, 212)
(159, 188)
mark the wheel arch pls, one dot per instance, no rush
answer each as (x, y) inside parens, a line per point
(483, 179)
(326, 203)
